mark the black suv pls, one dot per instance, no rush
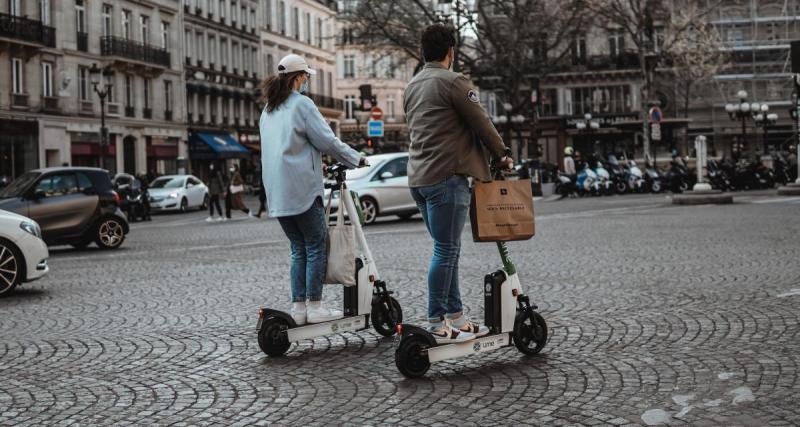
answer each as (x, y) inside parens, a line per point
(73, 205)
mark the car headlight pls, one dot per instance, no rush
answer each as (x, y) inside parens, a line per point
(172, 195)
(32, 228)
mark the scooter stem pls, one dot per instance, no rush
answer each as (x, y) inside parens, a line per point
(507, 264)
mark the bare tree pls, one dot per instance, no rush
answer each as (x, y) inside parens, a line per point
(656, 29)
(504, 46)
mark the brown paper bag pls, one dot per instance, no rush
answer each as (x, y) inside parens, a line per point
(501, 211)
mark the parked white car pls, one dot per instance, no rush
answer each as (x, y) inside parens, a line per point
(23, 253)
(382, 188)
(177, 193)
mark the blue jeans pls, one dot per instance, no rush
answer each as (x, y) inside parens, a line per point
(307, 234)
(444, 209)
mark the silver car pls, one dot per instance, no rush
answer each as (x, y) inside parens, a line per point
(382, 188)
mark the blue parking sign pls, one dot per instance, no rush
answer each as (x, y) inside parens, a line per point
(375, 128)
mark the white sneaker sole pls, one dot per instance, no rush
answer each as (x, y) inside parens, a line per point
(323, 319)
(461, 338)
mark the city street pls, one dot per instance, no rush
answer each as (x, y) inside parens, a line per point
(658, 314)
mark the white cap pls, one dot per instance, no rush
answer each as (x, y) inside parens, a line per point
(292, 63)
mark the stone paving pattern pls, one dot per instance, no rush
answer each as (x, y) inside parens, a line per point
(657, 314)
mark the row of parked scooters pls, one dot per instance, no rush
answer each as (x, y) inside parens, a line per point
(597, 178)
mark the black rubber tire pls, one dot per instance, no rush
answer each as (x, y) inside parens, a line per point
(19, 264)
(367, 218)
(526, 333)
(99, 233)
(409, 358)
(656, 187)
(384, 322)
(272, 339)
(82, 244)
(184, 205)
(206, 199)
(406, 216)
(621, 187)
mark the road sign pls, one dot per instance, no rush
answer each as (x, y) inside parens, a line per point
(655, 131)
(375, 128)
(376, 113)
(655, 115)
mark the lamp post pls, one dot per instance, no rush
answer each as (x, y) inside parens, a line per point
(744, 110)
(587, 125)
(764, 120)
(97, 74)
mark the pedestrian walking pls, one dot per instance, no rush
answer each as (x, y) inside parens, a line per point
(293, 136)
(216, 188)
(233, 196)
(262, 199)
(451, 137)
(145, 196)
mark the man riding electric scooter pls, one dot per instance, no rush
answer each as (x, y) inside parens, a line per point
(450, 134)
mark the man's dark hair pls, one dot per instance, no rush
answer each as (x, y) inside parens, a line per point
(437, 39)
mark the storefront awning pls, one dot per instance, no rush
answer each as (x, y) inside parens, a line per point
(215, 146)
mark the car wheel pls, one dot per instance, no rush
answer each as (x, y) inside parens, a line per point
(12, 267)
(110, 233)
(184, 205)
(370, 208)
(204, 206)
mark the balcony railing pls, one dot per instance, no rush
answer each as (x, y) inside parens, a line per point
(130, 111)
(87, 107)
(50, 104)
(118, 46)
(327, 102)
(147, 113)
(83, 41)
(113, 109)
(27, 30)
(19, 100)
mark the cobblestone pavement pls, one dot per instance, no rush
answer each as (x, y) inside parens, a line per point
(657, 314)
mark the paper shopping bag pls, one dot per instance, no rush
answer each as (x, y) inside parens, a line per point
(501, 211)
(341, 248)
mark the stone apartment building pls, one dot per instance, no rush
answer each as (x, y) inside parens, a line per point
(387, 71)
(49, 112)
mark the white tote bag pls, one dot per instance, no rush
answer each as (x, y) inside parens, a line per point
(341, 247)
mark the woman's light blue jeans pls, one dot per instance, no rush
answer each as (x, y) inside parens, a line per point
(444, 208)
(307, 234)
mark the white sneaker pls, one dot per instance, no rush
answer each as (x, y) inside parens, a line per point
(298, 313)
(473, 328)
(447, 334)
(316, 313)
(220, 219)
(224, 218)
(250, 215)
(209, 219)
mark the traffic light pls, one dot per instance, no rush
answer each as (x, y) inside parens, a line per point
(369, 143)
(367, 100)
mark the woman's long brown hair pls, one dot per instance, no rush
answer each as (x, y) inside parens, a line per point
(275, 89)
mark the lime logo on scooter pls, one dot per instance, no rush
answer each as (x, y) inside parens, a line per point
(334, 327)
(504, 192)
(477, 346)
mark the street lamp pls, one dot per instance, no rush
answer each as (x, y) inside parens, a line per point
(587, 125)
(744, 110)
(765, 120)
(97, 74)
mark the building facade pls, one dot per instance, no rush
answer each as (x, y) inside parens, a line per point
(221, 71)
(305, 28)
(49, 111)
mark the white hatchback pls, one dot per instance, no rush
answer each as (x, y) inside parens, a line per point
(23, 253)
(177, 193)
(382, 187)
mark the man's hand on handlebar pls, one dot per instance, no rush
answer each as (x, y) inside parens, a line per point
(506, 162)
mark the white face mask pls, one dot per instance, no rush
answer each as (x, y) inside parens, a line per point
(233, 170)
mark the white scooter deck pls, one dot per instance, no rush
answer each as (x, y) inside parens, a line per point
(314, 330)
(478, 345)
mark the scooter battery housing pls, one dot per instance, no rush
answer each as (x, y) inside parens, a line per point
(492, 284)
(351, 292)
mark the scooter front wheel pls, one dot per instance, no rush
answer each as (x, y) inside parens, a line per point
(411, 356)
(530, 332)
(272, 337)
(385, 319)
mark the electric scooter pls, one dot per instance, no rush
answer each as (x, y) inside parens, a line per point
(508, 313)
(367, 301)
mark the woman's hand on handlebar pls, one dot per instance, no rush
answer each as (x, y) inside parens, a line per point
(506, 162)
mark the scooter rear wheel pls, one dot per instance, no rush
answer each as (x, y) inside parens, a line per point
(411, 358)
(272, 337)
(385, 320)
(530, 332)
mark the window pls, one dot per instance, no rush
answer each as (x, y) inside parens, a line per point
(222, 10)
(110, 80)
(349, 106)
(187, 41)
(84, 183)
(107, 26)
(252, 18)
(144, 29)
(270, 65)
(200, 49)
(126, 24)
(319, 32)
(234, 9)
(390, 68)
(308, 28)
(243, 16)
(602, 99)
(282, 16)
(148, 89)
(223, 52)
(14, 7)
(321, 84)
(296, 23)
(330, 83)
(80, 17)
(57, 185)
(349, 66)
(165, 35)
(129, 91)
(390, 105)
(268, 13)
(83, 83)
(373, 68)
(17, 72)
(397, 167)
(167, 95)
(47, 79)
(616, 43)
(44, 11)
(235, 51)
(212, 49)
(579, 51)
(253, 56)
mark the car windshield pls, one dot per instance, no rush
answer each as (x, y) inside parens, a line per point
(19, 185)
(167, 182)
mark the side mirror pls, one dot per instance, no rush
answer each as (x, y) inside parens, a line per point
(189, 185)
(39, 194)
(387, 175)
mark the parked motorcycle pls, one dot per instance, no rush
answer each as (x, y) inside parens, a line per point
(780, 168)
(634, 177)
(678, 176)
(618, 174)
(588, 183)
(653, 179)
(717, 177)
(565, 186)
(604, 177)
